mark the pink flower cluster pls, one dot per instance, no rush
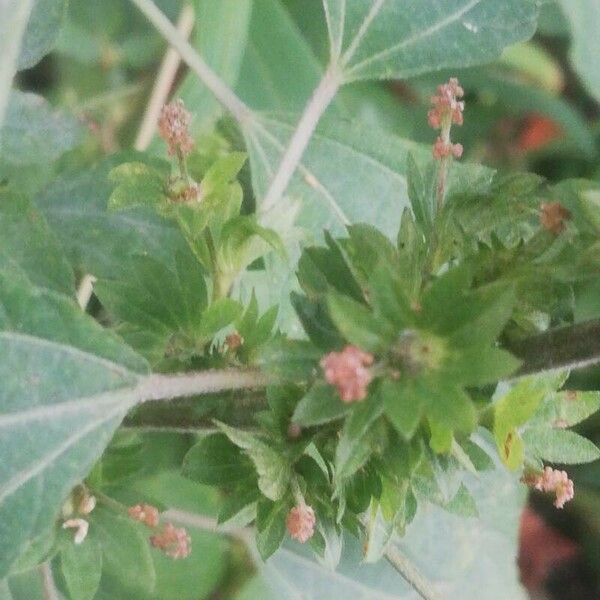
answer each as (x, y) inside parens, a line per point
(301, 523)
(447, 110)
(173, 126)
(144, 513)
(347, 370)
(173, 541)
(557, 482)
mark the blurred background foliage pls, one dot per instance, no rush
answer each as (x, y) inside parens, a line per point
(536, 109)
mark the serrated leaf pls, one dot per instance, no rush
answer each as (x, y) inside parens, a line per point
(215, 460)
(67, 383)
(137, 184)
(218, 315)
(321, 404)
(559, 446)
(36, 133)
(463, 504)
(81, 567)
(357, 323)
(270, 522)
(293, 360)
(404, 405)
(565, 409)
(395, 39)
(273, 469)
(126, 552)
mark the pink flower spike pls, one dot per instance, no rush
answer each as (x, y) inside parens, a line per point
(173, 127)
(557, 482)
(347, 371)
(447, 109)
(173, 541)
(144, 513)
(301, 523)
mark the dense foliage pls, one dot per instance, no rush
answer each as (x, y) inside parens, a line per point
(293, 329)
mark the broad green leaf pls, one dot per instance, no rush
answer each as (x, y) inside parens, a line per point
(559, 446)
(67, 383)
(14, 16)
(36, 133)
(215, 460)
(218, 315)
(293, 360)
(78, 203)
(321, 404)
(394, 39)
(220, 37)
(81, 567)
(345, 164)
(273, 469)
(29, 247)
(583, 16)
(42, 31)
(481, 365)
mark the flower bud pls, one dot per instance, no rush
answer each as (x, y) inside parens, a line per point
(347, 370)
(144, 513)
(301, 523)
(173, 541)
(81, 527)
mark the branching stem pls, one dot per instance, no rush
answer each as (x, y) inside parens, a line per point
(316, 107)
(240, 112)
(410, 573)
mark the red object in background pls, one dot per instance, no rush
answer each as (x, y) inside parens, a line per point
(541, 549)
(538, 131)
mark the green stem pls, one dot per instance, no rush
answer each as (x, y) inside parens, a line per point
(220, 287)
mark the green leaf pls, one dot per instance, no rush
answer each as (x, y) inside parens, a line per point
(42, 31)
(78, 202)
(137, 184)
(14, 16)
(218, 315)
(35, 133)
(81, 567)
(357, 323)
(388, 297)
(125, 548)
(214, 460)
(321, 404)
(422, 193)
(559, 446)
(565, 409)
(404, 404)
(67, 383)
(355, 445)
(270, 522)
(29, 247)
(583, 17)
(273, 470)
(480, 365)
(292, 360)
(397, 39)
(463, 504)
(345, 163)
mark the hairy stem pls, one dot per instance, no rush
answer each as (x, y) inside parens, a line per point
(165, 387)
(317, 105)
(574, 347)
(206, 523)
(240, 112)
(410, 573)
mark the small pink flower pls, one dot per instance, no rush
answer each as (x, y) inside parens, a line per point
(81, 527)
(557, 482)
(301, 523)
(347, 370)
(447, 109)
(173, 541)
(173, 126)
(144, 513)
(442, 149)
